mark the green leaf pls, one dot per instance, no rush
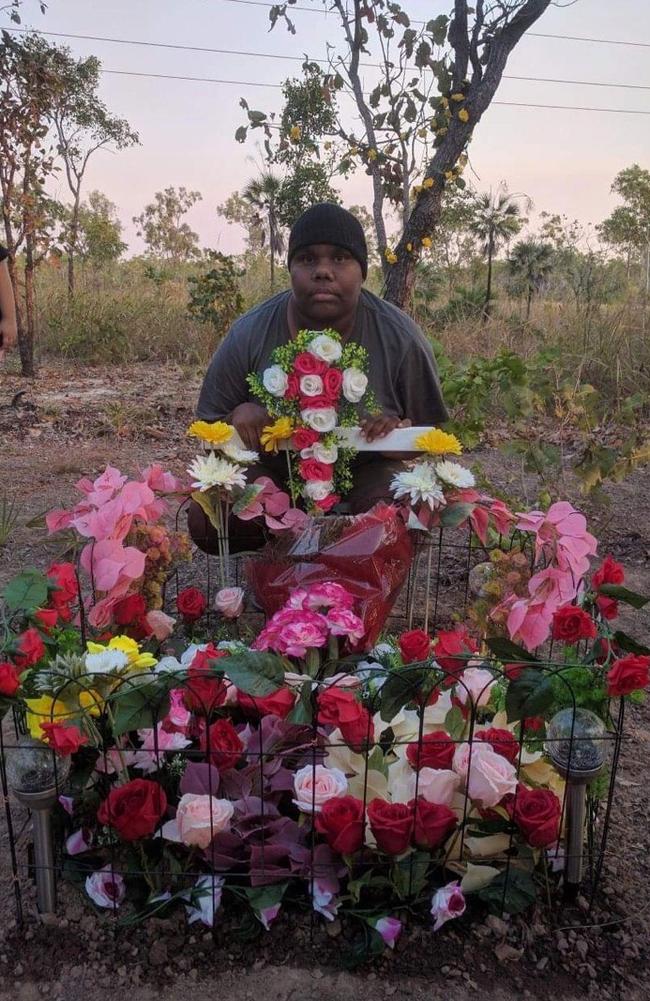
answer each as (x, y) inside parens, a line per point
(507, 651)
(302, 711)
(26, 591)
(136, 708)
(254, 672)
(400, 687)
(250, 493)
(240, 134)
(409, 875)
(456, 514)
(510, 892)
(530, 694)
(208, 508)
(632, 598)
(629, 644)
(455, 723)
(260, 897)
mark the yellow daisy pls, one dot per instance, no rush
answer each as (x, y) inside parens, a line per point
(217, 433)
(273, 434)
(44, 710)
(437, 442)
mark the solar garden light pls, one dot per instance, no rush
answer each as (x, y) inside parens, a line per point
(35, 778)
(576, 743)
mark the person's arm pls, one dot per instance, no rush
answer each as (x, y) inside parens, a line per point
(8, 329)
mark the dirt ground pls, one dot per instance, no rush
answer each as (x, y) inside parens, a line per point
(66, 425)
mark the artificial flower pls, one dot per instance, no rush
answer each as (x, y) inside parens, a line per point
(537, 814)
(134, 809)
(274, 434)
(216, 433)
(275, 380)
(204, 900)
(448, 902)
(9, 679)
(321, 419)
(355, 383)
(454, 475)
(105, 887)
(420, 484)
(229, 601)
(314, 785)
(198, 820)
(191, 603)
(437, 442)
(326, 348)
(45, 709)
(209, 471)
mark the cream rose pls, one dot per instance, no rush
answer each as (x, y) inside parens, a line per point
(321, 419)
(355, 383)
(198, 819)
(275, 380)
(318, 490)
(230, 602)
(475, 683)
(325, 453)
(489, 776)
(436, 785)
(325, 347)
(311, 385)
(314, 785)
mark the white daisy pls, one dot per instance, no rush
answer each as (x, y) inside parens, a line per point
(455, 475)
(420, 484)
(237, 454)
(210, 471)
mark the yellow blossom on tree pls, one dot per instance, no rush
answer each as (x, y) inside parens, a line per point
(409, 247)
(458, 97)
(417, 188)
(428, 182)
(463, 114)
(217, 433)
(426, 241)
(444, 103)
(442, 132)
(372, 154)
(437, 442)
(449, 175)
(273, 434)
(390, 256)
(295, 133)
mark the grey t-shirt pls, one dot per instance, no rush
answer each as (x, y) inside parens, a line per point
(402, 370)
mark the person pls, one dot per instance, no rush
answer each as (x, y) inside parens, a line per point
(8, 331)
(328, 263)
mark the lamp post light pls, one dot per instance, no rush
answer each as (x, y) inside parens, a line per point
(576, 744)
(35, 777)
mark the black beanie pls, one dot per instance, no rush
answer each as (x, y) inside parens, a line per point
(329, 223)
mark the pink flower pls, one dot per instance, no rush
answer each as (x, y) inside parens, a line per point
(475, 683)
(160, 481)
(447, 903)
(230, 602)
(329, 594)
(267, 915)
(150, 756)
(529, 623)
(324, 899)
(106, 888)
(436, 785)
(343, 622)
(292, 632)
(160, 624)
(562, 533)
(489, 776)
(198, 819)
(390, 930)
(315, 784)
(178, 716)
(112, 565)
(77, 842)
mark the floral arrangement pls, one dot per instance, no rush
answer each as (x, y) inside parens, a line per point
(314, 385)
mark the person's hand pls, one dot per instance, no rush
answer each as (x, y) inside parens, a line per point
(8, 336)
(248, 420)
(381, 425)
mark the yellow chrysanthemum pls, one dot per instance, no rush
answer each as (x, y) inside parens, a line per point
(44, 710)
(217, 433)
(437, 442)
(273, 434)
(428, 182)
(463, 114)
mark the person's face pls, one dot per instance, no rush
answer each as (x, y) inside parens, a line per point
(326, 282)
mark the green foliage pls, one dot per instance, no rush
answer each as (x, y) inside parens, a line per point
(8, 516)
(215, 296)
(510, 892)
(256, 673)
(530, 694)
(26, 591)
(161, 225)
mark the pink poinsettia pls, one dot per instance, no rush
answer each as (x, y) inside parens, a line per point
(561, 533)
(274, 505)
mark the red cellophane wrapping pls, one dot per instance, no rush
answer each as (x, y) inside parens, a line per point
(369, 554)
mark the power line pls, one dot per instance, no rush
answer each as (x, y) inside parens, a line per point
(300, 59)
(278, 86)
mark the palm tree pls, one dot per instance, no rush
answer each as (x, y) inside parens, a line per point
(496, 218)
(261, 194)
(531, 262)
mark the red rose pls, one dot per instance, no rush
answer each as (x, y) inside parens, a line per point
(279, 703)
(312, 469)
(533, 723)
(571, 624)
(433, 822)
(391, 824)
(319, 402)
(436, 750)
(627, 674)
(304, 438)
(191, 604)
(341, 821)
(512, 671)
(46, 618)
(332, 382)
(204, 691)
(537, 814)
(501, 741)
(414, 645)
(609, 572)
(64, 579)
(608, 607)
(339, 707)
(293, 386)
(449, 649)
(129, 609)
(328, 502)
(308, 364)
(9, 679)
(222, 744)
(64, 740)
(30, 648)
(134, 810)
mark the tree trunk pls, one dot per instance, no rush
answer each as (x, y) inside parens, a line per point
(528, 302)
(26, 343)
(488, 290)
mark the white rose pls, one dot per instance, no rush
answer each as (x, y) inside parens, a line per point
(355, 383)
(489, 776)
(198, 819)
(321, 419)
(313, 786)
(436, 785)
(311, 385)
(475, 683)
(325, 347)
(275, 380)
(325, 453)
(318, 489)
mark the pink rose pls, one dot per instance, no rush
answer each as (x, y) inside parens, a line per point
(475, 684)
(436, 785)
(161, 625)
(230, 602)
(448, 902)
(198, 819)
(343, 622)
(106, 888)
(315, 785)
(489, 776)
(178, 716)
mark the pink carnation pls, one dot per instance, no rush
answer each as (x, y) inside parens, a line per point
(292, 632)
(343, 622)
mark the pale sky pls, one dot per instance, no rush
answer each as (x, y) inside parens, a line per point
(564, 160)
